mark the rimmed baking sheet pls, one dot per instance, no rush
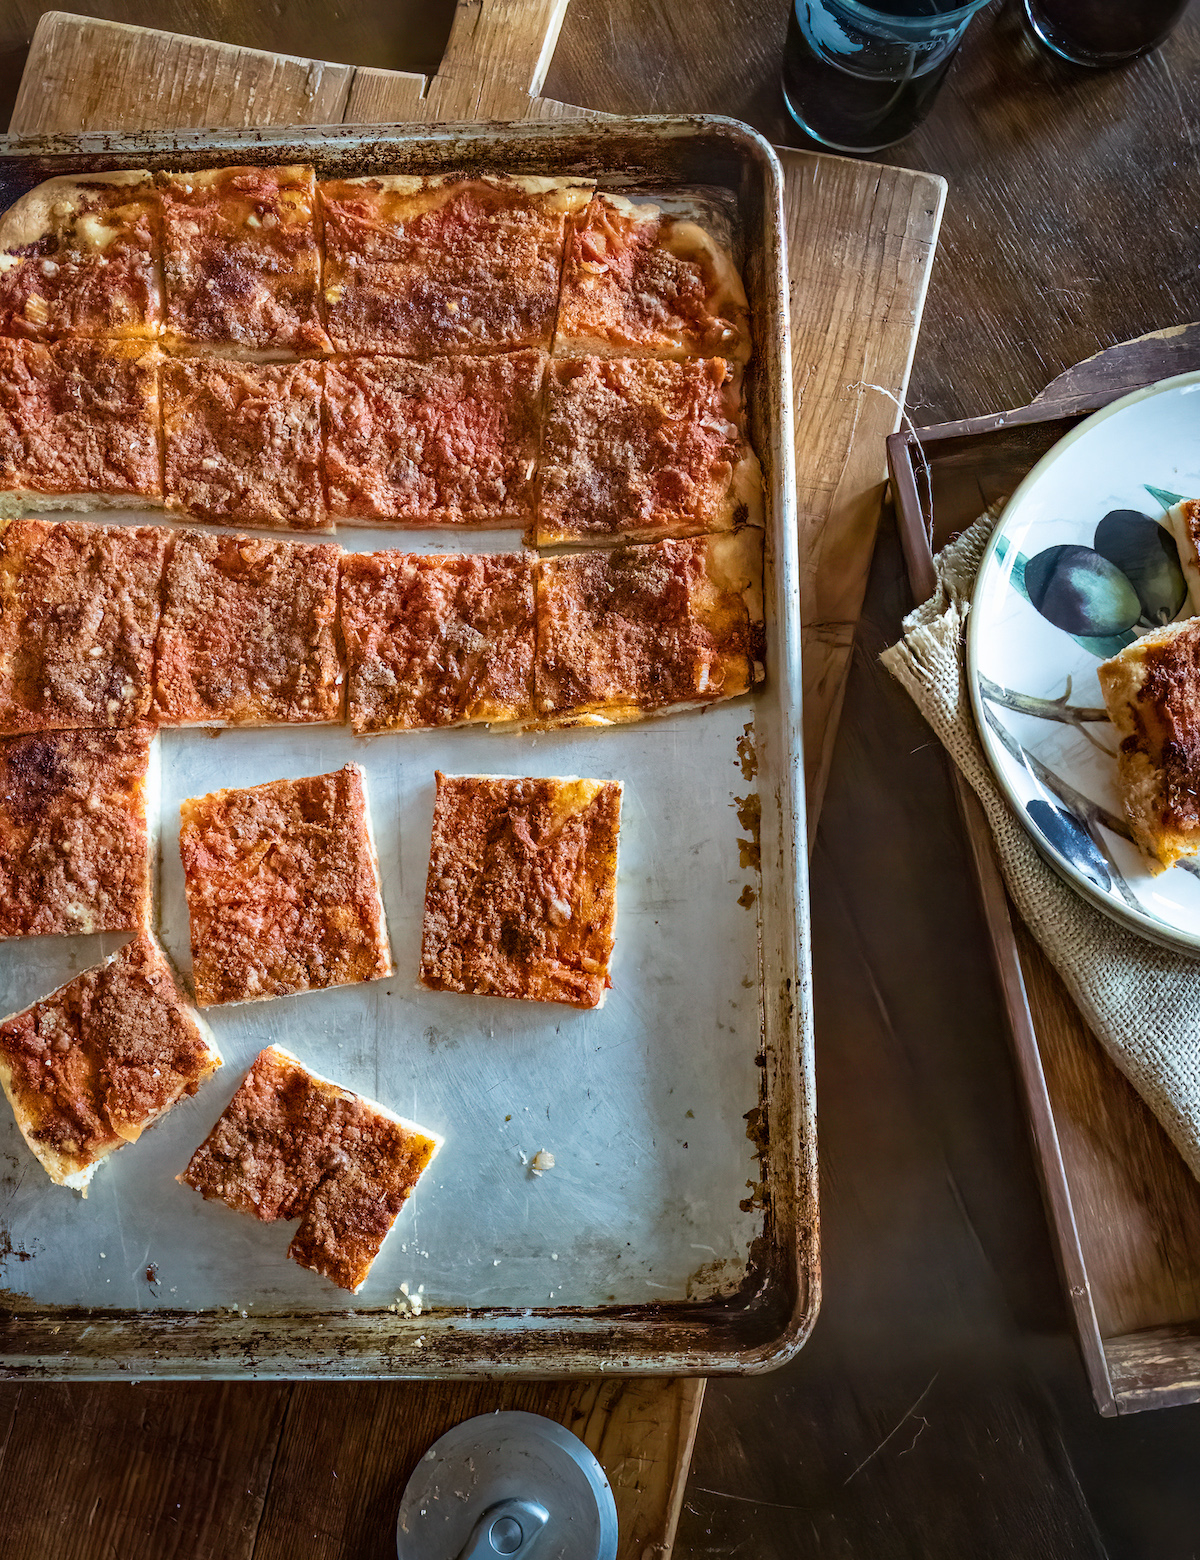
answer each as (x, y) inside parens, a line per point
(677, 1227)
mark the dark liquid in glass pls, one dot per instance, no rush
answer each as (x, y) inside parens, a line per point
(1104, 32)
(850, 112)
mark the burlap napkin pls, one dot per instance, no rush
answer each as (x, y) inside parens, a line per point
(1142, 1002)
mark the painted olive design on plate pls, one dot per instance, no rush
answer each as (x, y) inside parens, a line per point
(1146, 555)
(1081, 592)
(1070, 839)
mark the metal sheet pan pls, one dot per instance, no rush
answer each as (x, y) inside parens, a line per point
(677, 1231)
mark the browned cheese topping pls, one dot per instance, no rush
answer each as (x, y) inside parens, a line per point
(647, 283)
(638, 445)
(80, 260)
(461, 264)
(91, 1066)
(240, 259)
(1163, 722)
(243, 442)
(436, 641)
(282, 888)
(79, 607)
(80, 417)
(248, 632)
(450, 442)
(74, 852)
(291, 1145)
(639, 628)
(521, 895)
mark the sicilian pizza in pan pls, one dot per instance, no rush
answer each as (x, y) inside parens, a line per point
(254, 349)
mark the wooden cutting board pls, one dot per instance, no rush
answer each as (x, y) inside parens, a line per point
(861, 241)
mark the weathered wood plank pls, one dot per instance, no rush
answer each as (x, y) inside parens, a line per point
(347, 1452)
(496, 59)
(162, 1472)
(94, 75)
(860, 247)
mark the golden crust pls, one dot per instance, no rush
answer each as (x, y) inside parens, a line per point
(79, 608)
(282, 888)
(243, 442)
(248, 633)
(636, 282)
(1183, 521)
(88, 1068)
(521, 895)
(74, 844)
(79, 257)
(291, 1144)
(1152, 694)
(448, 442)
(640, 449)
(437, 641)
(79, 417)
(241, 264)
(637, 630)
(455, 263)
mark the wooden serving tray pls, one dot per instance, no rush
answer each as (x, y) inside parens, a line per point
(1124, 1209)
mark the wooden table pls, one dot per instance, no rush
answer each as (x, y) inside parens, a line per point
(939, 1409)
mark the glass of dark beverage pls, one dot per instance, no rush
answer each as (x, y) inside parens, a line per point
(1103, 32)
(860, 77)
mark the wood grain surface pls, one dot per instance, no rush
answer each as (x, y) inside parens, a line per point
(855, 306)
(135, 1470)
(347, 1452)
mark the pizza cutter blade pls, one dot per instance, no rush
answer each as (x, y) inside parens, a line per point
(507, 1486)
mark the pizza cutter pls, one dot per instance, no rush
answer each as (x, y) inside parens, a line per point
(507, 1486)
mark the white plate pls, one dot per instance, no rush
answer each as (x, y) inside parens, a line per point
(1033, 681)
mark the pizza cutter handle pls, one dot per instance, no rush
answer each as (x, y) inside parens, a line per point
(508, 1529)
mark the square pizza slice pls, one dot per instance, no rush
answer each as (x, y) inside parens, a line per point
(79, 609)
(90, 1067)
(248, 633)
(241, 262)
(448, 442)
(79, 426)
(443, 640)
(638, 281)
(521, 897)
(1152, 694)
(446, 263)
(290, 1144)
(640, 448)
(75, 843)
(283, 888)
(80, 256)
(243, 442)
(640, 630)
